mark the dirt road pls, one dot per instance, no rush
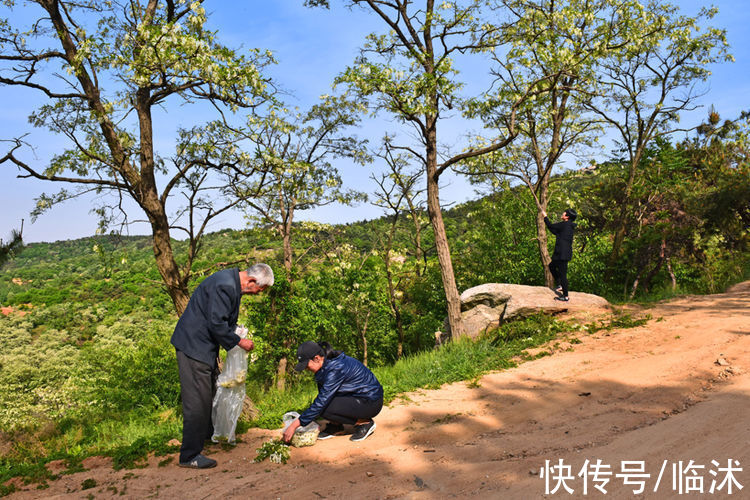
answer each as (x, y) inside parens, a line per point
(642, 400)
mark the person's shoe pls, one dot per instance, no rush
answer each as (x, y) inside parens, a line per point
(564, 298)
(362, 431)
(558, 289)
(199, 462)
(330, 431)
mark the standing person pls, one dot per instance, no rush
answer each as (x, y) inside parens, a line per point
(563, 232)
(348, 392)
(209, 321)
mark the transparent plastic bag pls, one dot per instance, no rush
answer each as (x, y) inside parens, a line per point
(230, 393)
(304, 435)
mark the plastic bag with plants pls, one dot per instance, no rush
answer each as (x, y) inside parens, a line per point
(230, 393)
(304, 435)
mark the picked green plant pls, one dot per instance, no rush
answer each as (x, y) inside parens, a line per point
(275, 451)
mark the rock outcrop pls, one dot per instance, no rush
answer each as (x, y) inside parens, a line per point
(485, 306)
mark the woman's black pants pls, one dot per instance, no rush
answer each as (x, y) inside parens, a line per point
(349, 409)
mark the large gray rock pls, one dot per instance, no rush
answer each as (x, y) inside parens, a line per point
(485, 306)
(527, 300)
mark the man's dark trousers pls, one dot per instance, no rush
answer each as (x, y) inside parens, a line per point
(559, 270)
(198, 386)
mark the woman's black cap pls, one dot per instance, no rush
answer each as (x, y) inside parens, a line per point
(305, 352)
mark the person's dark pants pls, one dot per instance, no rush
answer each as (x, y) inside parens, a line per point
(197, 389)
(349, 409)
(559, 270)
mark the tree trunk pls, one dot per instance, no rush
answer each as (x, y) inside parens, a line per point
(671, 275)
(541, 238)
(175, 283)
(363, 336)
(392, 293)
(419, 253)
(622, 226)
(281, 374)
(441, 239)
(635, 284)
(657, 267)
(287, 215)
(288, 254)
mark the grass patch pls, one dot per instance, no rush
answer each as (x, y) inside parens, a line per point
(128, 442)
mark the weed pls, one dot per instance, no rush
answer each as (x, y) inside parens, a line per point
(474, 383)
(88, 484)
(74, 464)
(128, 456)
(619, 320)
(450, 417)
(7, 490)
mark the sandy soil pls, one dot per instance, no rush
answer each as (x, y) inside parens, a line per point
(674, 390)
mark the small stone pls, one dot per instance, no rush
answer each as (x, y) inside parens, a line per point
(722, 362)
(369, 474)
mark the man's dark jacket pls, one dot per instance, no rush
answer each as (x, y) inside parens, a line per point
(563, 232)
(341, 376)
(210, 319)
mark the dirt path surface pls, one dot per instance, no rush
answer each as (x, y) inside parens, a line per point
(674, 390)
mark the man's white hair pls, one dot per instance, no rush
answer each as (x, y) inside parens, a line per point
(262, 273)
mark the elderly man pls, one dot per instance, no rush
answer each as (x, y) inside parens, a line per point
(209, 321)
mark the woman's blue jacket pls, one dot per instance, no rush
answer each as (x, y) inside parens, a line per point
(341, 376)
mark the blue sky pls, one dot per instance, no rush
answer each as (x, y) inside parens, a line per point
(312, 46)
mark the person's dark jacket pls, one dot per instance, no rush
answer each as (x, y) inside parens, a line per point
(210, 318)
(563, 232)
(341, 376)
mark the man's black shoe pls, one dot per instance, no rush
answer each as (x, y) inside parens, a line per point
(362, 431)
(331, 430)
(199, 462)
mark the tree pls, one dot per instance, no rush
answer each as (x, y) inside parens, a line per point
(719, 156)
(293, 159)
(397, 189)
(553, 47)
(646, 86)
(409, 72)
(105, 68)
(9, 249)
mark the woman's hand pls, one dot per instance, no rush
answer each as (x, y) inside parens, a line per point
(289, 432)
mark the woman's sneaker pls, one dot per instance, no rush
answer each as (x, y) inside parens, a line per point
(362, 431)
(564, 298)
(330, 431)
